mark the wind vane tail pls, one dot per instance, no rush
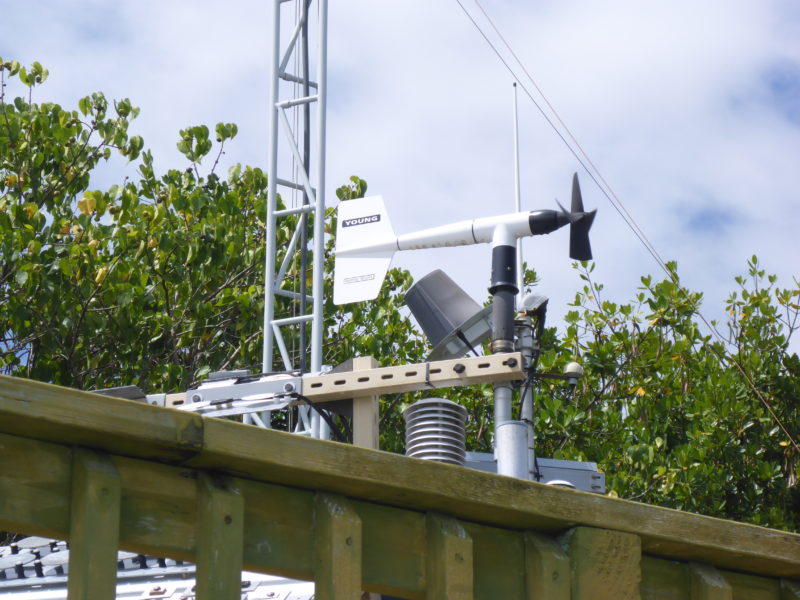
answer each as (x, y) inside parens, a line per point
(365, 244)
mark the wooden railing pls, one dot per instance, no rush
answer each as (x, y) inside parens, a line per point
(107, 474)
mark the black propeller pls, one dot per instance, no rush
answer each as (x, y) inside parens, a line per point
(580, 222)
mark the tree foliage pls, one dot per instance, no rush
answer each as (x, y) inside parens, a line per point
(678, 417)
(159, 279)
(155, 281)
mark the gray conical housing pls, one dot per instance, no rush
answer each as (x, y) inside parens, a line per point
(451, 320)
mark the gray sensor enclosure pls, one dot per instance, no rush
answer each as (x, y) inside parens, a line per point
(435, 431)
(453, 322)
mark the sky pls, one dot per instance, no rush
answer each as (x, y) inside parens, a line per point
(691, 111)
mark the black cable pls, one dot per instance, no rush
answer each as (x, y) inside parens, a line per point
(536, 472)
(337, 433)
(464, 339)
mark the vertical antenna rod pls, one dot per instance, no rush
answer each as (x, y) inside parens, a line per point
(517, 199)
(525, 338)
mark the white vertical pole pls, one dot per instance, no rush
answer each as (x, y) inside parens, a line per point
(517, 199)
(525, 339)
(319, 218)
(272, 174)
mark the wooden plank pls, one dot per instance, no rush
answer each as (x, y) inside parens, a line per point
(498, 558)
(751, 587)
(415, 377)
(35, 487)
(53, 413)
(365, 410)
(707, 583)
(362, 474)
(449, 563)
(158, 498)
(790, 590)
(94, 527)
(278, 535)
(604, 565)
(395, 544)
(490, 499)
(220, 538)
(547, 572)
(664, 579)
(337, 537)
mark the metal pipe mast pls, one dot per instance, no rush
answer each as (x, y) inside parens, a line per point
(298, 84)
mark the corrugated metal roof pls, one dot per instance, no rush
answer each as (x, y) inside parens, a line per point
(36, 568)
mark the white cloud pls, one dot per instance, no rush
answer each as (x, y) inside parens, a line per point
(686, 107)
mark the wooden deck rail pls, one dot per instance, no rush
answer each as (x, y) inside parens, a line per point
(107, 474)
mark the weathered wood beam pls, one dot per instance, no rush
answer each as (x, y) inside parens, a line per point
(790, 590)
(160, 511)
(220, 538)
(490, 499)
(449, 565)
(52, 413)
(64, 416)
(94, 527)
(708, 584)
(337, 549)
(604, 565)
(547, 575)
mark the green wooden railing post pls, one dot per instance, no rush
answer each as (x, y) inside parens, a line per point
(220, 538)
(790, 590)
(708, 584)
(546, 569)
(604, 564)
(94, 527)
(337, 538)
(449, 565)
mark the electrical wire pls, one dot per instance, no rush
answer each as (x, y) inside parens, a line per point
(337, 432)
(553, 126)
(605, 188)
(621, 207)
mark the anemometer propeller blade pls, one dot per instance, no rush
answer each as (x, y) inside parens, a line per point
(366, 242)
(580, 224)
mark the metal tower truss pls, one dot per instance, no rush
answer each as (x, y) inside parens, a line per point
(296, 170)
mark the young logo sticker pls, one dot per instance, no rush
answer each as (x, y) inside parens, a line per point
(361, 221)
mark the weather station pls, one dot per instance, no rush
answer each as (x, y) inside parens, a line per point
(265, 483)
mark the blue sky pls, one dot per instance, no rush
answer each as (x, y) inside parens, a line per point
(691, 111)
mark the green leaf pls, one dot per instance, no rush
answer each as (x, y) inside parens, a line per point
(85, 105)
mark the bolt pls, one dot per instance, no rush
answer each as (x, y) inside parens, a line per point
(349, 541)
(158, 590)
(459, 368)
(196, 397)
(228, 520)
(288, 387)
(511, 362)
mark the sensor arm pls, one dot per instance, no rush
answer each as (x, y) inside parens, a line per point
(365, 240)
(466, 233)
